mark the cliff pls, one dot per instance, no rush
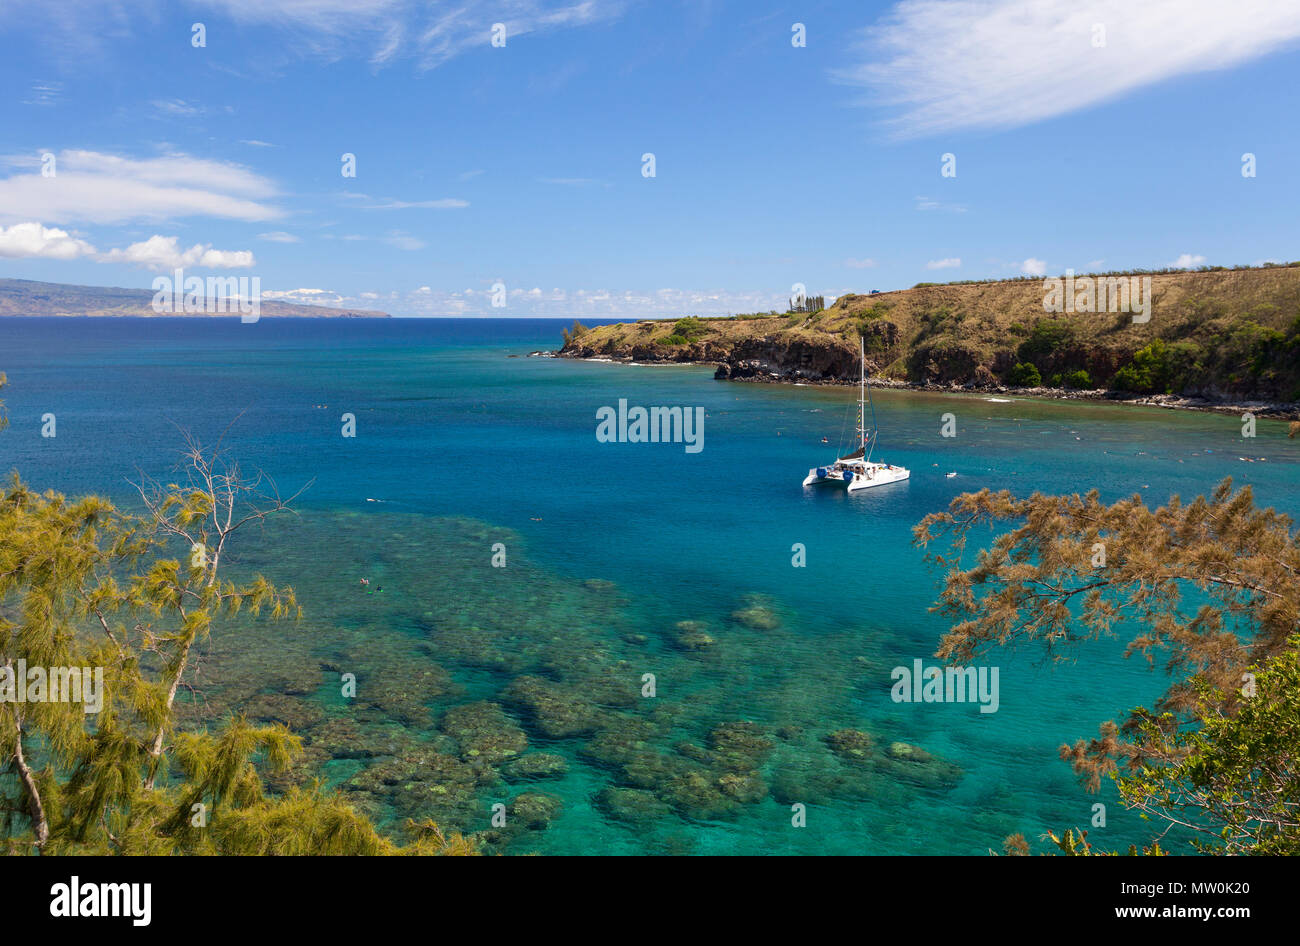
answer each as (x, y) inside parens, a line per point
(1219, 335)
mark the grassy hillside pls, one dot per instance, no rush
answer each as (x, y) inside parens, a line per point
(1219, 334)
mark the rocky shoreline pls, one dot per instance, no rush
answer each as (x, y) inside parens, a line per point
(759, 371)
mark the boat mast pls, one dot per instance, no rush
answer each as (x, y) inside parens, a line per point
(862, 388)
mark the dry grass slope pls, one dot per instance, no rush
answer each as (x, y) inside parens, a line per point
(1223, 334)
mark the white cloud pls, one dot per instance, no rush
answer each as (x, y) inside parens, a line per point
(176, 108)
(34, 241)
(954, 64)
(1187, 261)
(1033, 267)
(951, 262)
(404, 241)
(279, 236)
(571, 181)
(309, 296)
(159, 252)
(94, 187)
(44, 93)
(859, 263)
(387, 30)
(929, 203)
(536, 302)
(443, 203)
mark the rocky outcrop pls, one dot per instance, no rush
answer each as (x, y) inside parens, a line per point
(788, 359)
(1227, 337)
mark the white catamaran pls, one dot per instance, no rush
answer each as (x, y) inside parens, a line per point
(857, 471)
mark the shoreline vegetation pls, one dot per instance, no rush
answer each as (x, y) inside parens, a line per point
(1214, 339)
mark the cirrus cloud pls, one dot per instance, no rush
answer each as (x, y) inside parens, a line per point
(960, 64)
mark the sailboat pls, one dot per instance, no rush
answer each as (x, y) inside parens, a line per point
(857, 470)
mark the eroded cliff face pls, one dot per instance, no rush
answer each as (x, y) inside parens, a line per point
(1217, 335)
(826, 359)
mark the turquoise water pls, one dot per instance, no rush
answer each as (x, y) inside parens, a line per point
(463, 668)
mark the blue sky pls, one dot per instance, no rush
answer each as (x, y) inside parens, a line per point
(774, 164)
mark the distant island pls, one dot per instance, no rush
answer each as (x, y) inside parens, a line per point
(26, 297)
(1196, 338)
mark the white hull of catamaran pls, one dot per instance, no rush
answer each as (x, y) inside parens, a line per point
(872, 475)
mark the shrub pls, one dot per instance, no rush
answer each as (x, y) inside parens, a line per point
(1025, 375)
(572, 334)
(1045, 339)
(1078, 380)
(689, 328)
(1149, 372)
(676, 339)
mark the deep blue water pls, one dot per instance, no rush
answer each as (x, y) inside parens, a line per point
(451, 426)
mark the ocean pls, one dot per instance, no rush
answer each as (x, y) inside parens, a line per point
(614, 647)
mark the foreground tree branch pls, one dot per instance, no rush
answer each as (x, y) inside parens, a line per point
(1209, 587)
(210, 504)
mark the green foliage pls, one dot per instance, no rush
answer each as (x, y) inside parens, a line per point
(1074, 843)
(1025, 375)
(572, 335)
(1048, 337)
(1207, 586)
(1236, 781)
(1253, 355)
(1151, 371)
(1079, 380)
(676, 339)
(689, 328)
(863, 325)
(83, 584)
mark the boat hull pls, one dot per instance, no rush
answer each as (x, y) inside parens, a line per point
(862, 476)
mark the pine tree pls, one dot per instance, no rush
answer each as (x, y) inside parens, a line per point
(1215, 752)
(83, 584)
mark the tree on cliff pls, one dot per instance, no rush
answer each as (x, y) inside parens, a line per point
(84, 585)
(1210, 588)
